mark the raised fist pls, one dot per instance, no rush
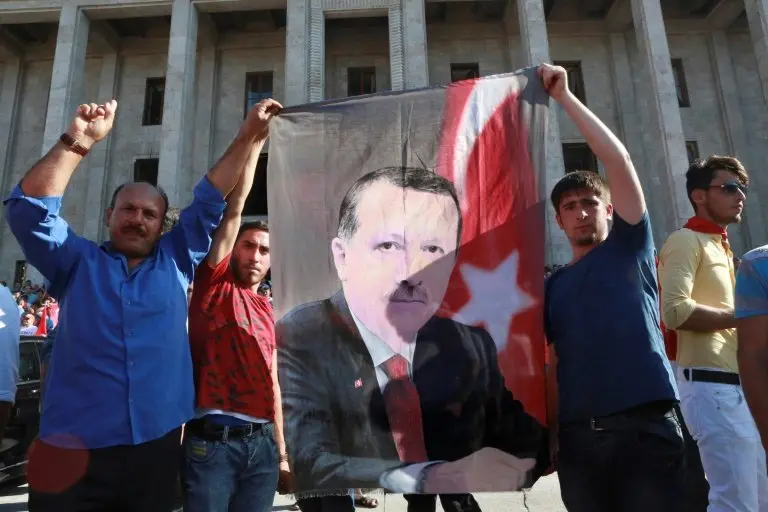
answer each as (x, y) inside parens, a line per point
(256, 124)
(93, 122)
(555, 80)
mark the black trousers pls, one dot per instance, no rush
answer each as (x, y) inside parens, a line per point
(326, 504)
(696, 485)
(632, 464)
(115, 479)
(416, 503)
(450, 503)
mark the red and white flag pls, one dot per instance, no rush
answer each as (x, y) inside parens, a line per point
(367, 269)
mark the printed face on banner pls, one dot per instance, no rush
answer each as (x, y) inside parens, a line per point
(396, 266)
(420, 337)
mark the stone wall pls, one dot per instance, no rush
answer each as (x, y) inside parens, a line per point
(724, 116)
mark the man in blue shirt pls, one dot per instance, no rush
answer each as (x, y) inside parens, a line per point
(752, 327)
(119, 385)
(619, 438)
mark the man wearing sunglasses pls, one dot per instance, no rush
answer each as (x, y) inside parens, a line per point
(697, 277)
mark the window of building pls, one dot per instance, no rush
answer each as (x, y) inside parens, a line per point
(145, 169)
(154, 95)
(256, 202)
(575, 78)
(693, 150)
(258, 86)
(578, 157)
(464, 71)
(361, 81)
(678, 72)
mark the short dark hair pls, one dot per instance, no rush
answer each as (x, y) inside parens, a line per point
(407, 178)
(701, 173)
(256, 225)
(579, 180)
(157, 187)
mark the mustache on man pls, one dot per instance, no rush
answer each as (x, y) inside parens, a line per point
(136, 229)
(409, 292)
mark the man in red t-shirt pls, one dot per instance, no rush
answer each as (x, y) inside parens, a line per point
(234, 448)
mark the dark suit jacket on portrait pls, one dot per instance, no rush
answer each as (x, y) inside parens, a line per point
(335, 422)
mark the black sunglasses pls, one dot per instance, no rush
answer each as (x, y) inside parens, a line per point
(731, 187)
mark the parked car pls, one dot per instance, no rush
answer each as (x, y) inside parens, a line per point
(24, 421)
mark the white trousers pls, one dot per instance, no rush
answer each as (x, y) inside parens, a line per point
(732, 454)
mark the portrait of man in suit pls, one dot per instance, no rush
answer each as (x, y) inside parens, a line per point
(380, 391)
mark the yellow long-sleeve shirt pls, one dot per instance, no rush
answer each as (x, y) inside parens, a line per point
(695, 268)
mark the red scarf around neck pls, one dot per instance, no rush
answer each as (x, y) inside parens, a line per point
(701, 225)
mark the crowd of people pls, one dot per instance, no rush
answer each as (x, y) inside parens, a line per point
(168, 348)
(39, 311)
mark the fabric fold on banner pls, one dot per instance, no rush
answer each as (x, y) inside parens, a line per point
(408, 282)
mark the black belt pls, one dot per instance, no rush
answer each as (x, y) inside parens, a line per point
(714, 377)
(627, 418)
(215, 432)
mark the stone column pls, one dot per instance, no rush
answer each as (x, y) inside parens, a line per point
(178, 107)
(757, 15)
(304, 52)
(97, 195)
(10, 96)
(624, 91)
(316, 56)
(296, 53)
(667, 155)
(408, 45)
(204, 114)
(67, 78)
(631, 126)
(535, 46)
(752, 229)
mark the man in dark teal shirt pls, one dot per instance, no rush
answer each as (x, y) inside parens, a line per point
(613, 394)
(119, 386)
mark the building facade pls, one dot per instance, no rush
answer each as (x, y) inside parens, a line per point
(675, 79)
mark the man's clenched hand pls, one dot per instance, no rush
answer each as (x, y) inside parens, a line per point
(93, 122)
(488, 470)
(555, 81)
(256, 124)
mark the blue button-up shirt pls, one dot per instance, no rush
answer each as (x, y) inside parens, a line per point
(121, 369)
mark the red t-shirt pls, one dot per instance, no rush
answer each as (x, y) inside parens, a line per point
(232, 338)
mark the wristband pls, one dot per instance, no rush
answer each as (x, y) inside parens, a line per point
(284, 457)
(73, 144)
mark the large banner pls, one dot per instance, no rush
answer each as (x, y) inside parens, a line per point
(408, 268)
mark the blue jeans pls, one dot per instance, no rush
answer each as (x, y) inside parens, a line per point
(237, 475)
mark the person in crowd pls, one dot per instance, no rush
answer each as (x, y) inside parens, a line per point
(367, 402)
(612, 395)
(28, 324)
(752, 328)
(9, 356)
(696, 274)
(117, 393)
(234, 448)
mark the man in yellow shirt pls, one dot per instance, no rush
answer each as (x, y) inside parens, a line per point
(696, 274)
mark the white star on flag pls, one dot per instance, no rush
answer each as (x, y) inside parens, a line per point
(495, 298)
